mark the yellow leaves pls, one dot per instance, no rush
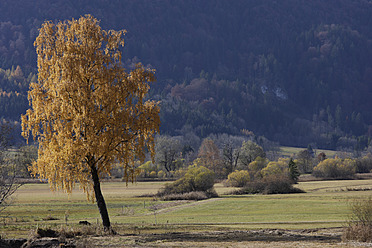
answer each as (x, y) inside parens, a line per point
(85, 105)
(335, 168)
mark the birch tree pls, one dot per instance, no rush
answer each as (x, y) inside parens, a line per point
(87, 111)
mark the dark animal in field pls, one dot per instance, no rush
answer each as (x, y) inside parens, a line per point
(84, 222)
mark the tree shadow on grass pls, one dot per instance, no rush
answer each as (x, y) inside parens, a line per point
(239, 236)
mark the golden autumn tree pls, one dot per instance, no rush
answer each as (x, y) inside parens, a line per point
(87, 111)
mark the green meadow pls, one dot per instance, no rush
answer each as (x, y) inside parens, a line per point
(325, 204)
(287, 151)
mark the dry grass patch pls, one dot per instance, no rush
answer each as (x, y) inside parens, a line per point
(359, 227)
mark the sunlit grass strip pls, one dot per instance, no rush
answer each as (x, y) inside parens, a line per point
(325, 205)
(292, 151)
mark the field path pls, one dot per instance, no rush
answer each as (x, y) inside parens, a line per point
(164, 209)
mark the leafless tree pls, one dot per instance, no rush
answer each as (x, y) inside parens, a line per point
(8, 172)
(8, 186)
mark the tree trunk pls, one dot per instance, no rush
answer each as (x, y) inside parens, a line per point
(100, 200)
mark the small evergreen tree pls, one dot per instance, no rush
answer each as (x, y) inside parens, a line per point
(293, 170)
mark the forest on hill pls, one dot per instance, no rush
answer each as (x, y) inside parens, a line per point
(294, 71)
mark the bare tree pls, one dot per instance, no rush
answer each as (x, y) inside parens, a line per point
(305, 161)
(230, 157)
(168, 152)
(8, 184)
(249, 152)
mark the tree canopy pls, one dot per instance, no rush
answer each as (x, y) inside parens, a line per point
(87, 111)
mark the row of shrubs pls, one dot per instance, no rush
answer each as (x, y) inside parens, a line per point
(262, 176)
(331, 168)
(261, 169)
(274, 178)
(281, 184)
(336, 168)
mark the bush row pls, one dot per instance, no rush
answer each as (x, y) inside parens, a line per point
(269, 185)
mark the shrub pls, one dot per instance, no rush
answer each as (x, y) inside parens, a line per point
(146, 169)
(364, 164)
(335, 168)
(280, 185)
(191, 196)
(179, 173)
(177, 187)
(238, 178)
(271, 169)
(273, 184)
(161, 174)
(358, 232)
(153, 174)
(201, 178)
(195, 179)
(359, 227)
(277, 168)
(256, 166)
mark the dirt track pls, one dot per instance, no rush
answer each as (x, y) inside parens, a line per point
(176, 205)
(254, 238)
(324, 238)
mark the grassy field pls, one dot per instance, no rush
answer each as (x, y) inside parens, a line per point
(287, 151)
(326, 204)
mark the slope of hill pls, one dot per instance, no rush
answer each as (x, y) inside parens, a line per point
(297, 72)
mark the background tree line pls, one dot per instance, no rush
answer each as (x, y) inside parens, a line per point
(296, 72)
(242, 156)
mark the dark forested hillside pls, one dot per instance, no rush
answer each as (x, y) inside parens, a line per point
(295, 71)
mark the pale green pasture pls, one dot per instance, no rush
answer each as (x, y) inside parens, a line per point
(292, 151)
(331, 187)
(277, 211)
(34, 202)
(326, 204)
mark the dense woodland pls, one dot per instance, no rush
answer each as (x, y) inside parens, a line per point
(295, 72)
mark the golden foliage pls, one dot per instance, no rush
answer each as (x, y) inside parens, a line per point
(86, 110)
(335, 168)
(276, 168)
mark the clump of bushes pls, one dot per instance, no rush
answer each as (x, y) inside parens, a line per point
(197, 179)
(263, 177)
(359, 227)
(238, 178)
(364, 164)
(336, 168)
(273, 184)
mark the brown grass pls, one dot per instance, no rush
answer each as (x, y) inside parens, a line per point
(359, 226)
